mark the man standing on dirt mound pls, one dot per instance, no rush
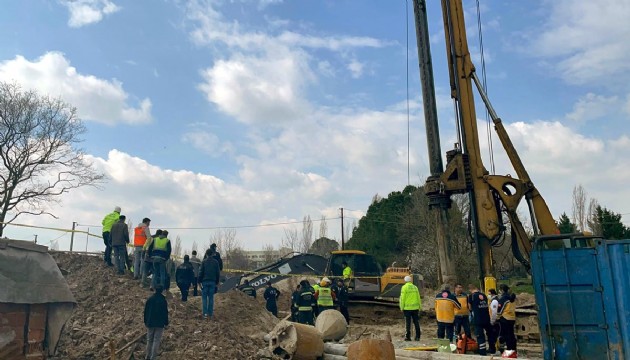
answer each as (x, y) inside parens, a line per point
(107, 223)
(119, 240)
(271, 295)
(155, 319)
(209, 274)
(160, 251)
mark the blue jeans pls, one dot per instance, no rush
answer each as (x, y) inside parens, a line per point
(159, 272)
(138, 262)
(119, 257)
(207, 297)
(107, 240)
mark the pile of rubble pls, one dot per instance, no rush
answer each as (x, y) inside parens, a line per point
(109, 318)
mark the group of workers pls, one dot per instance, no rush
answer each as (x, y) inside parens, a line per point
(493, 317)
(308, 301)
(152, 257)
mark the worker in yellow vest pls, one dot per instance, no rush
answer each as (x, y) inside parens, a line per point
(462, 314)
(160, 251)
(507, 318)
(410, 303)
(325, 296)
(445, 305)
(347, 274)
(140, 235)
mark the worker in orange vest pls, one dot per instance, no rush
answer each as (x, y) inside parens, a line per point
(140, 235)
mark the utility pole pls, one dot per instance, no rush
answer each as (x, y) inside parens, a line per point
(72, 235)
(35, 238)
(87, 238)
(343, 242)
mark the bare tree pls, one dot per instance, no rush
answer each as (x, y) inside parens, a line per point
(238, 259)
(579, 207)
(177, 249)
(307, 234)
(349, 227)
(269, 253)
(194, 246)
(38, 148)
(226, 242)
(290, 239)
(593, 220)
(323, 227)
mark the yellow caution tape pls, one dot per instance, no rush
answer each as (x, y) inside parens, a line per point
(52, 228)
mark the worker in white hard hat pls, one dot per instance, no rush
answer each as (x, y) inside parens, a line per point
(325, 296)
(410, 304)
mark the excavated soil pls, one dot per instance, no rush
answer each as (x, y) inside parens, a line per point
(110, 311)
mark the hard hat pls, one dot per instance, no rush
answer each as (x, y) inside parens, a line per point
(326, 280)
(408, 278)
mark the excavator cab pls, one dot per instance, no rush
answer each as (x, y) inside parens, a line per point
(368, 280)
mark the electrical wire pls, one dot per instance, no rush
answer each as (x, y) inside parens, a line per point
(485, 89)
(408, 126)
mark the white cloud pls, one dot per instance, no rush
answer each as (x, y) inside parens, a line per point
(356, 68)
(96, 99)
(207, 142)
(585, 41)
(85, 12)
(263, 90)
(593, 106)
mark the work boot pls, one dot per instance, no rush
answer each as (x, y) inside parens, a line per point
(407, 339)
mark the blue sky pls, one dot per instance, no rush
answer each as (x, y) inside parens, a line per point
(250, 112)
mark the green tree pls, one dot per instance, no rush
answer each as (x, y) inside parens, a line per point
(377, 231)
(565, 225)
(610, 224)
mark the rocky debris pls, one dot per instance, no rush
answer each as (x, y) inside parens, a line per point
(110, 312)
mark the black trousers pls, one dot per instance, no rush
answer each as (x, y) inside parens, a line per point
(445, 327)
(409, 316)
(343, 309)
(306, 317)
(194, 284)
(507, 334)
(184, 290)
(462, 321)
(272, 309)
(481, 338)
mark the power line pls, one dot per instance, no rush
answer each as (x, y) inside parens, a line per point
(232, 227)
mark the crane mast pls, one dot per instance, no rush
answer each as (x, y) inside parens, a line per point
(489, 195)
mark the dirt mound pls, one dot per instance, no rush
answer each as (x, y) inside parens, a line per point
(111, 307)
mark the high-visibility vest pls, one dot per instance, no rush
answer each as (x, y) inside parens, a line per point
(508, 312)
(160, 247)
(347, 272)
(409, 297)
(463, 301)
(324, 298)
(139, 236)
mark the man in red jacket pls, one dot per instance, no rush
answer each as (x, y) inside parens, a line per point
(155, 319)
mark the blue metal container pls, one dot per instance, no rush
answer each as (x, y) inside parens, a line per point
(583, 294)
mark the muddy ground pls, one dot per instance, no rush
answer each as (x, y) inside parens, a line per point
(110, 312)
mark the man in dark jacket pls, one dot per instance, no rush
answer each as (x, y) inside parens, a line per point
(295, 300)
(120, 239)
(216, 255)
(342, 299)
(160, 251)
(209, 274)
(184, 276)
(479, 306)
(155, 319)
(271, 295)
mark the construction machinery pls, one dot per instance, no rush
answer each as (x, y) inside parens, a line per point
(580, 282)
(368, 279)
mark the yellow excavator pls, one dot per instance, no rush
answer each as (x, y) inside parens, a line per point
(368, 280)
